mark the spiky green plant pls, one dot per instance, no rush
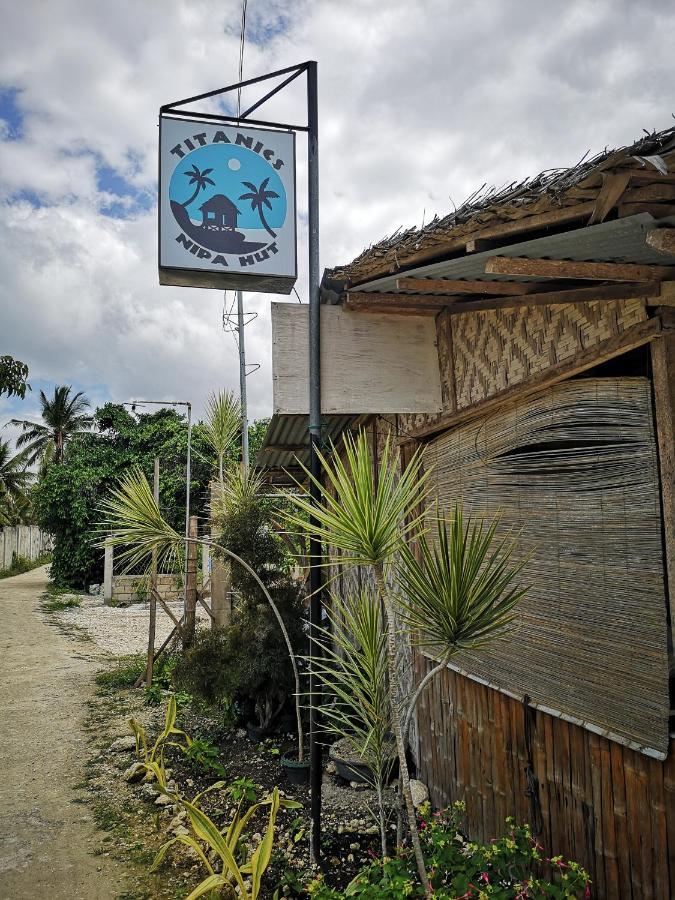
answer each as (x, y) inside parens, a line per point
(223, 423)
(459, 592)
(134, 523)
(351, 666)
(366, 516)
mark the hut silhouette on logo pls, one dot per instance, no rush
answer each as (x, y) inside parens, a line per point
(219, 213)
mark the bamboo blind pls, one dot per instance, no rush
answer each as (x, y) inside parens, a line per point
(575, 473)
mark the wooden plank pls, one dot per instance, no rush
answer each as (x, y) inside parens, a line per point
(616, 752)
(650, 193)
(613, 887)
(644, 822)
(613, 186)
(662, 239)
(393, 308)
(443, 286)
(669, 804)
(606, 292)
(381, 365)
(568, 268)
(596, 783)
(657, 210)
(663, 385)
(633, 337)
(659, 828)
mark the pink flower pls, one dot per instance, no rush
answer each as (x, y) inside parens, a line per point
(484, 877)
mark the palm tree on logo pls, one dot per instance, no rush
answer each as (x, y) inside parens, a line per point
(260, 197)
(200, 179)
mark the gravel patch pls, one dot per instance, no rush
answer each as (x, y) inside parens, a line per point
(123, 630)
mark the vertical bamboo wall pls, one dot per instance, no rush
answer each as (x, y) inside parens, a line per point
(607, 807)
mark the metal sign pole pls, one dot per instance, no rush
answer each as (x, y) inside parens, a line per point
(242, 381)
(315, 576)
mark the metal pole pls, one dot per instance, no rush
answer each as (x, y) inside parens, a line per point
(242, 381)
(188, 476)
(315, 575)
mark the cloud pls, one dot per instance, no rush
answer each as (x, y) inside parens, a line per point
(419, 105)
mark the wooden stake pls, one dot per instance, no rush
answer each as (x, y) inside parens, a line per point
(153, 590)
(191, 585)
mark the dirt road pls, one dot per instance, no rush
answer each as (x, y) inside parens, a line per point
(45, 838)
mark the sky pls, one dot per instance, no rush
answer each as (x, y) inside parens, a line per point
(420, 104)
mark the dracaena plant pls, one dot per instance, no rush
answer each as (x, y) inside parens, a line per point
(223, 423)
(351, 667)
(459, 592)
(151, 758)
(366, 517)
(134, 523)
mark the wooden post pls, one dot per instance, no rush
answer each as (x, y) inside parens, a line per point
(153, 590)
(221, 602)
(107, 573)
(190, 585)
(663, 380)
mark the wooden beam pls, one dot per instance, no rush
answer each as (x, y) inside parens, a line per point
(429, 304)
(569, 268)
(637, 336)
(601, 292)
(449, 286)
(657, 210)
(478, 245)
(662, 239)
(663, 382)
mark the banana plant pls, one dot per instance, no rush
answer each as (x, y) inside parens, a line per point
(238, 879)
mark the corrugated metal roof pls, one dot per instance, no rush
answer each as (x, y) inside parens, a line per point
(287, 440)
(622, 240)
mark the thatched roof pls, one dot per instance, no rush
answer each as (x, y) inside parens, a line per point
(623, 179)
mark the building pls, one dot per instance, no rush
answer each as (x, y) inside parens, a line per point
(219, 213)
(549, 318)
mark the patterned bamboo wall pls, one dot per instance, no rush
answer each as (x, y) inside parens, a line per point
(482, 353)
(495, 349)
(605, 806)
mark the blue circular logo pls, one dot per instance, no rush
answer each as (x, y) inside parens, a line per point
(228, 198)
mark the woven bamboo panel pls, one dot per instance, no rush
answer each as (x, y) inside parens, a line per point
(574, 473)
(495, 349)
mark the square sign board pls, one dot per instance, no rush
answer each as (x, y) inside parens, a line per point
(226, 206)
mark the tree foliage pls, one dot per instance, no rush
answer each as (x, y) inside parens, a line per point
(13, 377)
(68, 496)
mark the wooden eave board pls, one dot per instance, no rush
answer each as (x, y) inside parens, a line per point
(369, 364)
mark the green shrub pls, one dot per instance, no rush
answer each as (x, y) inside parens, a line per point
(509, 867)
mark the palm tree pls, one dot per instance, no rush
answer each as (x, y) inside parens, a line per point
(200, 179)
(63, 418)
(14, 479)
(260, 197)
(223, 422)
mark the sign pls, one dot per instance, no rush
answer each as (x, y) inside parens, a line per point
(377, 363)
(226, 206)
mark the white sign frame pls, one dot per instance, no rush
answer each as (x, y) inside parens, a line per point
(257, 256)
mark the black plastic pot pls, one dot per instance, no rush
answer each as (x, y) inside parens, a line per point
(349, 766)
(296, 772)
(256, 733)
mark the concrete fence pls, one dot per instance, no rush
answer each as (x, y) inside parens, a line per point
(125, 589)
(24, 540)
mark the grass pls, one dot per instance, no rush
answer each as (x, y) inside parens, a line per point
(124, 674)
(57, 604)
(21, 564)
